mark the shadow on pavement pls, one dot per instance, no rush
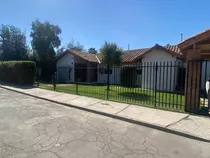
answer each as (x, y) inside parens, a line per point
(18, 86)
(136, 96)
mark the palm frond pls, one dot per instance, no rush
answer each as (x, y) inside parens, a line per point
(111, 54)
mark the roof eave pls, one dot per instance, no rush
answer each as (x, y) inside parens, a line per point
(194, 39)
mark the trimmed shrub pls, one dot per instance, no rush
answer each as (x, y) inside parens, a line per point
(19, 72)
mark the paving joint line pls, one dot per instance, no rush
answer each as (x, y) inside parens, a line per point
(74, 98)
(122, 109)
(94, 103)
(53, 95)
(70, 99)
(177, 121)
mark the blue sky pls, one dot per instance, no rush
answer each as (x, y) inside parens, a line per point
(140, 23)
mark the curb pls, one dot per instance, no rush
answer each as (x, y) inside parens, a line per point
(149, 125)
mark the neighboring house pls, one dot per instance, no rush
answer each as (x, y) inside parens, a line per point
(75, 66)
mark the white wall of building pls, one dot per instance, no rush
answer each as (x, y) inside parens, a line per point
(139, 76)
(114, 78)
(205, 73)
(66, 61)
(166, 77)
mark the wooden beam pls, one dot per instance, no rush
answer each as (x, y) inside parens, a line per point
(204, 47)
(194, 46)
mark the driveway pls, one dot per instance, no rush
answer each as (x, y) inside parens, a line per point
(34, 128)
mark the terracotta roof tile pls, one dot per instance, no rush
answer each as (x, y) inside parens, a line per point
(86, 56)
(174, 48)
(128, 56)
(133, 55)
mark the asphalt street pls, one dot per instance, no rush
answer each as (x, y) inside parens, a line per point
(34, 128)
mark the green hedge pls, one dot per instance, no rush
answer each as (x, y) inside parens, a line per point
(19, 72)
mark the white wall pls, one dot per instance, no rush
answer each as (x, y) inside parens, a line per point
(205, 73)
(114, 78)
(166, 80)
(163, 82)
(67, 61)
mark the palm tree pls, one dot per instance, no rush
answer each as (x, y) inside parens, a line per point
(111, 55)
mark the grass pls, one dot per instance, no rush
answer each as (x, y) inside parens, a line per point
(139, 96)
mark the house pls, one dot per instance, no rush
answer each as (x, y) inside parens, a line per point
(74, 66)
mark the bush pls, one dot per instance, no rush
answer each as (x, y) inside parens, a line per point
(19, 72)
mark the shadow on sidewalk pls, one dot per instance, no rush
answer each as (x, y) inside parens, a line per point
(136, 96)
(18, 86)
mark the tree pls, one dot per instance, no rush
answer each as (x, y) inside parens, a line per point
(45, 37)
(75, 46)
(12, 43)
(92, 50)
(111, 55)
(60, 51)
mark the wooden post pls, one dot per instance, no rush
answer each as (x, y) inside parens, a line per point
(192, 81)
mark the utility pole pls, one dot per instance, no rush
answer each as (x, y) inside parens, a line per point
(181, 37)
(128, 47)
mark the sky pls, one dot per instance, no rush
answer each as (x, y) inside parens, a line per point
(139, 23)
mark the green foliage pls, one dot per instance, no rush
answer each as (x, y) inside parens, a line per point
(12, 43)
(60, 51)
(75, 46)
(45, 37)
(19, 72)
(111, 54)
(92, 50)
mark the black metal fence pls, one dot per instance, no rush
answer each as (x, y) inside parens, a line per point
(153, 84)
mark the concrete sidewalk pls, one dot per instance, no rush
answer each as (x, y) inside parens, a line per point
(178, 122)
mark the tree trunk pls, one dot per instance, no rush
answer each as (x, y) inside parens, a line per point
(108, 74)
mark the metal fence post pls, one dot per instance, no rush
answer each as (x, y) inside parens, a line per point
(54, 80)
(76, 87)
(107, 92)
(156, 69)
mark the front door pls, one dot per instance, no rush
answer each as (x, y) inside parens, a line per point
(63, 74)
(80, 72)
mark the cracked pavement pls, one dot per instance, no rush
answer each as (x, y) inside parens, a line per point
(34, 128)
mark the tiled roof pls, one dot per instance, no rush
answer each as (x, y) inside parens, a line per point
(195, 39)
(173, 48)
(86, 56)
(128, 56)
(133, 55)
